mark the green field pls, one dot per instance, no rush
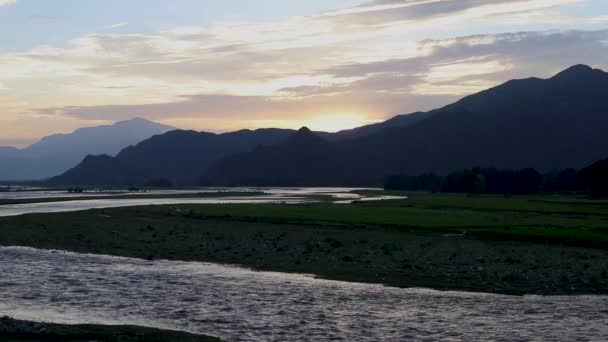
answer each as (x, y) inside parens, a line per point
(518, 245)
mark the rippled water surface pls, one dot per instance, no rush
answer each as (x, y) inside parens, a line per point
(242, 305)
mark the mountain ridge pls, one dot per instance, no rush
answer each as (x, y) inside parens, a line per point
(149, 160)
(56, 153)
(549, 123)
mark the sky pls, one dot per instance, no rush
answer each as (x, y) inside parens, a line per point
(225, 65)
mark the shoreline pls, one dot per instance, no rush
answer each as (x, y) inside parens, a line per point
(19, 330)
(299, 239)
(93, 197)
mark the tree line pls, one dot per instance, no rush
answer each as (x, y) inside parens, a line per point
(592, 179)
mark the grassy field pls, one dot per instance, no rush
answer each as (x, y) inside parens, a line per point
(518, 245)
(12, 330)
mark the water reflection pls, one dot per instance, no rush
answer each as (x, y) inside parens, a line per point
(271, 195)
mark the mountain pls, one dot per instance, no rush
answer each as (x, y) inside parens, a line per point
(541, 123)
(57, 153)
(403, 121)
(8, 151)
(179, 156)
(313, 154)
(183, 156)
(546, 124)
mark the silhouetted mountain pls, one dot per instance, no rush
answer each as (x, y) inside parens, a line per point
(183, 156)
(394, 122)
(312, 151)
(179, 156)
(57, 153)
(545, 124)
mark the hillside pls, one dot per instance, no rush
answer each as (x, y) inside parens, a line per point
(57, 153)
(179, 156)
(541, 123)
(183, 156)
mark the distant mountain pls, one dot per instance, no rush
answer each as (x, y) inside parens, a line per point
(184, 156)
(541, 123)
(179, 156)
(8, 151)
(57, 153)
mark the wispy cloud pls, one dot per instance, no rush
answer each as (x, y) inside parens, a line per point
(7, 2)
(117, 25)
(43, 17)
(452, 68)
(376, 59)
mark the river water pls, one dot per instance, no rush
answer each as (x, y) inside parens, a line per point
(241, 305)
(271, 195)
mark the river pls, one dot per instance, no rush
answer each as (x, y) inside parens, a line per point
(271, 195)
(242, 305)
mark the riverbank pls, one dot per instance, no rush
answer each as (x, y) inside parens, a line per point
(117, 196)
(522, 245)
(17, 331)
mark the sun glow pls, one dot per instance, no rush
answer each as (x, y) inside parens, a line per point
(338, 122)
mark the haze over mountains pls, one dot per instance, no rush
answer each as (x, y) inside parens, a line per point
(546, 124)
(57, 153)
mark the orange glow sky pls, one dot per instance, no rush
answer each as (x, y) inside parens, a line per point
(330, 65)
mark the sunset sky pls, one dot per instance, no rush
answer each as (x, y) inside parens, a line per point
(231, 64)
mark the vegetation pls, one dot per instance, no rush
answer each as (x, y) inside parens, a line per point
(475, 181)
(16, 331)
(159, 183)
(597, 176)
(524, 244)
(567, 180)
(493, 181)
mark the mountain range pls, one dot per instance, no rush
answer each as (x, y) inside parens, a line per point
(179, 156)
(545, 124)
(183, 156)
(57, 153)
(540, 123)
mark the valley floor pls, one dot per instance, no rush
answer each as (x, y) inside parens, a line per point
(549, 245)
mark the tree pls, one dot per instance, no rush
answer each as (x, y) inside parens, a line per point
(527, 181)
(159, 183)
(424, 182)
(597, 177)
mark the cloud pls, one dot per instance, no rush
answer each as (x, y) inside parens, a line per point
(378, 59)
(43, 17)
(118, 25)
(7, 2)
(449, 70)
